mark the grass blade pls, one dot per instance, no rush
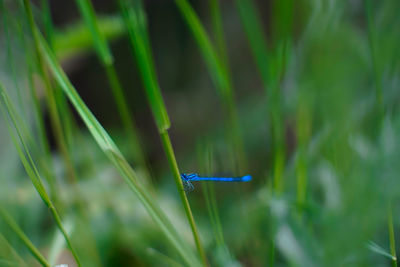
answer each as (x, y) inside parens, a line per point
(219, 32)
(8, 252)
(30, 166)
(110, 149)
(47, 21)
(10, 56)
(269, 75)
(135, 20)
(218, 69)
(392, 240)
(51, 103)
(138, 35)
(45, 159)
(104, 53)
(18, 231)
(372, 50)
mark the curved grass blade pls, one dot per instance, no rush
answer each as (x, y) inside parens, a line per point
(114, 155)
(18, 231)
(9, 255)
(30, 166)
(219, 71)
(138, 35)
(106, 58)
(135, 20)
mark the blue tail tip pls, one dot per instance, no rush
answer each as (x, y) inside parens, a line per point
(246, 178)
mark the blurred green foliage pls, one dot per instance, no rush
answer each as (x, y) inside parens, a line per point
(302, 95)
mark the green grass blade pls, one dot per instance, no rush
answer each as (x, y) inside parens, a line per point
(27, 161)
(392, 240)
(58, 242)
(113, 153)
(255, 35)
(219, 71)
(51, 102)
(270, 77)
(303, 131)
(104, 53)
(135, 20)
(46, 162)
(10, 56)
(47, 21)
(8, 252)
(178, 181)
(77, 39)
(381, 110)
(18, 231)
(138, 35)
(219, 32)
(88, 14)
(62, 142)
(372, 49)
(30, 166)
(213, 63)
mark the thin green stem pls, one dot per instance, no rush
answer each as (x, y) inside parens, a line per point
(48, 22)
(219, 71)
(10, 57)
(104, 53)
(301, 173)
(18, 231)
(392, 237)
(108, 146)
(46, 161)
(51, 103)
(381, 110)
(30, 165)
(8, 252)
(272, 254)
(169, 151)
(303, 129)
(372, 47)
(219, 33)
(135, 20)
(58, 221)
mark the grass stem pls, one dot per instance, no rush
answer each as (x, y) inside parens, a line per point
(18, 231)
(182, 194)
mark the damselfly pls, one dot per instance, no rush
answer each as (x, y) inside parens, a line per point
(188, 178)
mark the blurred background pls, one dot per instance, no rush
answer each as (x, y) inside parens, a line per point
(302, 95)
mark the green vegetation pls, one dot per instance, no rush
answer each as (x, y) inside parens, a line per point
(105, 103)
